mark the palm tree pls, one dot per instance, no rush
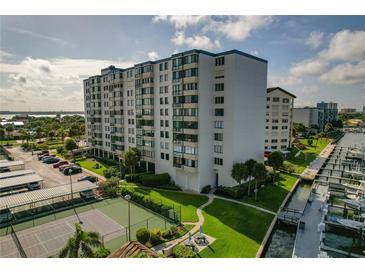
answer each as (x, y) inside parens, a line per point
(132, 158)
(81, 244)
(61, 132)
(237, 172)
(250, 164)
(259, 173)
(2, 134)
(9, 129)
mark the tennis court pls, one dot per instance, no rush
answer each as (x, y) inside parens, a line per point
(45, 236)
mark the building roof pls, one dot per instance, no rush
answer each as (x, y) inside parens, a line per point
(11, 163)
(15, 123)
(44, 194)
(132, 249)
(20, 180)
(281, 89)
(16, 173)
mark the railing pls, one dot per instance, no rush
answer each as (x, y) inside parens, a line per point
(17, 242)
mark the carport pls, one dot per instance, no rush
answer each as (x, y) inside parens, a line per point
(12, 165)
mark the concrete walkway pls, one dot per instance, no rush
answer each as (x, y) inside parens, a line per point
(194, 230)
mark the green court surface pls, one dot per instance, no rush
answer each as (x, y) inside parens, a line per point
(112, 209)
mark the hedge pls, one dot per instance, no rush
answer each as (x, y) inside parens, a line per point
(181, 251)
(153, 180)
(143, 235)
(206, 189)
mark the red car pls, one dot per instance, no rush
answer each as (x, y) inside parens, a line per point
(60, 163)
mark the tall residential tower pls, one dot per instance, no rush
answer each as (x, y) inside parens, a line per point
(192, 115)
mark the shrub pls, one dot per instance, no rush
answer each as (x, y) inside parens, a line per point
(181, 251)
(153, 180)
(174, 230)
(143, 235)
(206, 189)
(111, 172)
(167, 234)
(61, 150)
(102, 252)
(155, 237)
(235, 192)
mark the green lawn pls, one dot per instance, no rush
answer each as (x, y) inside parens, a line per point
(188, 202)
(271, 196)
(90, 165)
(10, 142)
(238, 229)
(307, 155)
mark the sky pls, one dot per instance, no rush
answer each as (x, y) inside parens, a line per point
(43, 59)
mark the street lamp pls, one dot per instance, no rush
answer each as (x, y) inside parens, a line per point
(72, 195)
(128, 198)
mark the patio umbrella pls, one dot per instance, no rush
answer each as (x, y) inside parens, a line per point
(189, 236)
(201, 230)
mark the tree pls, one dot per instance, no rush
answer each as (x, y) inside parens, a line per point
(310, 141)
(39, 132)
(9, 128)
(276, 160)
(70, 145)
(2, 134)
(81, 244)
(237, 172)
(61, 132)
(143, 235)
(51, 134)
(259, 173)
(299, 128)
(249, 171)
(131, 158)
(328, 127)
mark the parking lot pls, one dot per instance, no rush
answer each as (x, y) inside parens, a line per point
(51, 176)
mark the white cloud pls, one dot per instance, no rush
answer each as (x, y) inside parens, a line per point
(4, 55)
(309, 67)
(315, 39)
(237, 27)
(341, 62)
(286, 80)
(346, 45)
(59, 79)
(153, 55)
(195, 41)
(180, 21)
(345, 74)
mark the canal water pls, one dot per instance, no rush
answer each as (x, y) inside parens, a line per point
(281, 242)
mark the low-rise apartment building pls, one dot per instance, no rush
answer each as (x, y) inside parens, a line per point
(191, 115)
(279, 122)
(308, 116)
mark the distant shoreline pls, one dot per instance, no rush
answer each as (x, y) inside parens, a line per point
(5, 112)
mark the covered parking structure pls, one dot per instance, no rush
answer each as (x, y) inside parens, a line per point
(11, 166)
(30, 204)
(30, 181)
(16, 173)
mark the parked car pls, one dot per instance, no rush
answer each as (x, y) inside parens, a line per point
(87, 194)
(92, 179)
(61, 168)
(34, 186)
(40, 157)
(42, 152)
(60, 163)
(74, 169)
(52, 160)
(44, 159)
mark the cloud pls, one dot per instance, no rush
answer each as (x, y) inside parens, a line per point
(345, 74)
(49, 38)
(346, 45)
(286, 80)
(309, 67)
(237, 27)
(180, 21)
(341, 62)
(4, 55)
(315, 39)
(52, 84)
(153, 55)
(195, 41)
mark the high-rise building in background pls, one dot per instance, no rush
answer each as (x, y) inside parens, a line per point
(308, 116)
(192, 115)
(328, 114)
(279, 122)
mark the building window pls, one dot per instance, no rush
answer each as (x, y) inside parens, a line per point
(162, 156)
(219, 87)
(219, 61)
(276, 99)
(218, 148)
(219, 112)
(218, 161)
(274, 141)
(284, 140)
(167, 157)
(218, 124)
(219, 100)
(274, 127)
(286, 100)
(218, 136)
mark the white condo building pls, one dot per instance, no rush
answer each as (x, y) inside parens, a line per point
(191, 115)
(279, 119)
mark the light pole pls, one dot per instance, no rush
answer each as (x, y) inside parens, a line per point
(72, 195)
(128, 198)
